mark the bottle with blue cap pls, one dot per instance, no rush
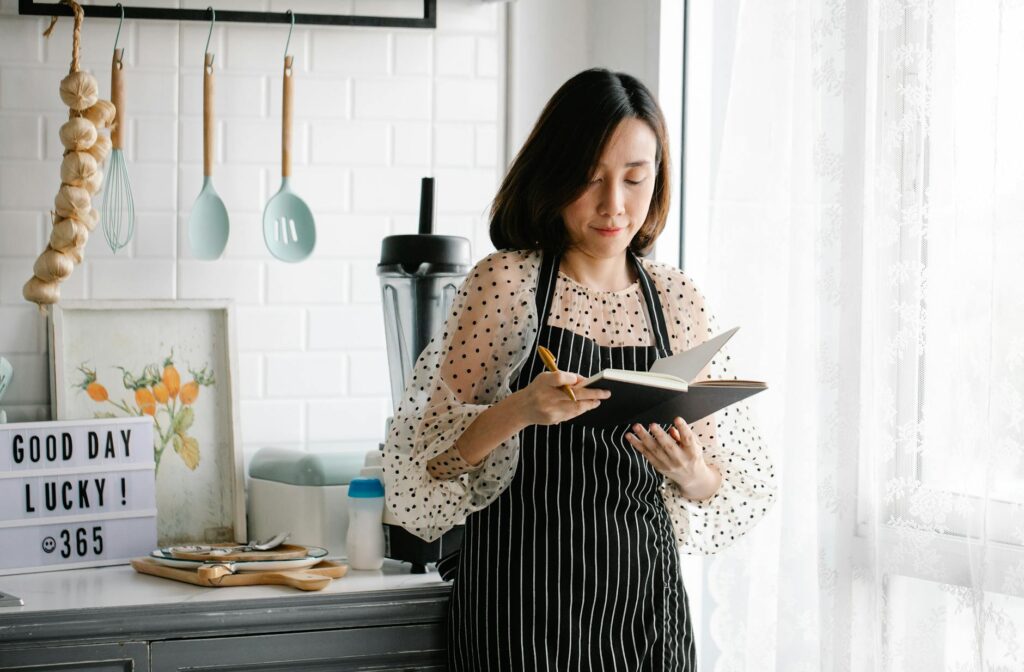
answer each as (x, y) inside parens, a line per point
(365, 539)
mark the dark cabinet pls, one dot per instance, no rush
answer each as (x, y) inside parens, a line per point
(400, 629)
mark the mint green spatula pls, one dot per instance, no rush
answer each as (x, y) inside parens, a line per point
(208, 224)
(288, 227)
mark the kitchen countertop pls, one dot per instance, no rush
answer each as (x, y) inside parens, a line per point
(122, 586)
(117, 604)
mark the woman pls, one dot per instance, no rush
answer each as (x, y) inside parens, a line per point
(570, 558)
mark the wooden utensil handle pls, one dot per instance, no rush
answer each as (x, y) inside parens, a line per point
(213, 572)
(331, 568)
(208, 116)
(117, 98)
(296, 579)
(286, 119)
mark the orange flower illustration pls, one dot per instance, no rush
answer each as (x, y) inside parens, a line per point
(156, 392)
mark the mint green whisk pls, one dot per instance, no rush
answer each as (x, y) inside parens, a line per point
(118, 210)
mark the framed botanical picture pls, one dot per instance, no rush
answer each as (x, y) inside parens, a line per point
(176, 362)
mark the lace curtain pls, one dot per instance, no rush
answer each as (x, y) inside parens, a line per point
(859, 210)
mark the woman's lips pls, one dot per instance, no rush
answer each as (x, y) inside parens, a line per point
(608, 232)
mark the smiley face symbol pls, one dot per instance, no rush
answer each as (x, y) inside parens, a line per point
(49, 543)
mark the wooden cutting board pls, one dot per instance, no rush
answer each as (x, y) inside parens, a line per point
(313, 578)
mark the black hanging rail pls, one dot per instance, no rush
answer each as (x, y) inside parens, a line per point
(428, 20)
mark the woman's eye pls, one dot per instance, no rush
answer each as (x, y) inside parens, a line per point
(636, 181)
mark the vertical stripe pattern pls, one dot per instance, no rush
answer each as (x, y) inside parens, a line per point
(574, 566)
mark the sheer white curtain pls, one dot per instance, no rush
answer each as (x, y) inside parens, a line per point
(855, 201)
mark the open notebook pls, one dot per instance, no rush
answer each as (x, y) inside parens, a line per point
(667, 390)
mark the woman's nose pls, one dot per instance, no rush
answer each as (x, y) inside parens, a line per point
(613, 200)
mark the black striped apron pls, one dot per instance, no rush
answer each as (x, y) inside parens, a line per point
(574, 566)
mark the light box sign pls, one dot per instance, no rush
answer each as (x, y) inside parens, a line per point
(76, 493)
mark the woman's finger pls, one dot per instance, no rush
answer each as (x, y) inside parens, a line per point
(649, 447)
(643, 435)
(644, 448)
(666, 443)
(684, 429)
(581, 406)
(587, 393)
(559, 378)
(687, 439)
(639, 440)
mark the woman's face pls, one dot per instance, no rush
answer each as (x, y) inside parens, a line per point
(606, 216)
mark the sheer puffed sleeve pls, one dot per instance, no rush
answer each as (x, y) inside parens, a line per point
(463, 370)
(731, 440)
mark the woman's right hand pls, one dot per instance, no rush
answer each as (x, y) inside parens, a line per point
(544, 402)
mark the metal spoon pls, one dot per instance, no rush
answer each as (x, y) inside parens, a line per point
(266, 545)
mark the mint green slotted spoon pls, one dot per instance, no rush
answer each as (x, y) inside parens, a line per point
(208, 224)
(288, 227)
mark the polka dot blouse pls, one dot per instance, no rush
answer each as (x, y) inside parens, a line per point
(471, 363)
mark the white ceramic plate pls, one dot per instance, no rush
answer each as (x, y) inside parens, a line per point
(315, 555)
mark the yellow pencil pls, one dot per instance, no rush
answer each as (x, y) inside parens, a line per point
(549, 361)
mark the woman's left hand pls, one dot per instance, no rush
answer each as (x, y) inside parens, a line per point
(677, 454)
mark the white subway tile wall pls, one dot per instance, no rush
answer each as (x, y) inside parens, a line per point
(374, 111)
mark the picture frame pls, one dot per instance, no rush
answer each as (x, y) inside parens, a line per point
(177, 362)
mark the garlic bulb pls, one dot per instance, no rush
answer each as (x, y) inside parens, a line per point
(78, 168)
(94, 183)
(38, 291)
(67, 234)
(101, 149)
(78, 134)
(53, 265)
(72, 202)
(76, 253)
(79, 90)
(101, 114)
(91, 220)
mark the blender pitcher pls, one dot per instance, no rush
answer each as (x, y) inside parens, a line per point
(420, 275)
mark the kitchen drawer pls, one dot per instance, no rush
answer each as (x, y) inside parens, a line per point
(127, 657)
(394, 648)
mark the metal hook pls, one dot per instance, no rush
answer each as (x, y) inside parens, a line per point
(289, 12)
(210, 34)
(117, 38)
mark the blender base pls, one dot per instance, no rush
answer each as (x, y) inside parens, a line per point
(400, 544)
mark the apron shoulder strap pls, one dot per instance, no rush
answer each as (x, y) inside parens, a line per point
(654, 310)
(546, 280)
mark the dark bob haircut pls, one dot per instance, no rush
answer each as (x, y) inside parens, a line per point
(554, 166)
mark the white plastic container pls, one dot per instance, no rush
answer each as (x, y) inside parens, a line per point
(302, 493)
(364, 540)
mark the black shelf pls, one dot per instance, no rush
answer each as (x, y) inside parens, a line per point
(428, 20)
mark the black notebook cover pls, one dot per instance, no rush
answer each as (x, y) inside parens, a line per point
(631, 403)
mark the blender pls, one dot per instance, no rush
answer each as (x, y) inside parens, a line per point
(420, 275)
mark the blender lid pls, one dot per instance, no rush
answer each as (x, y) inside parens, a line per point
(412, 250)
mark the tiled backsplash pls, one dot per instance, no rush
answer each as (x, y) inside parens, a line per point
(374, 109)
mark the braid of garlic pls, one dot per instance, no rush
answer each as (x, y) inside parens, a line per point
(85, 148)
